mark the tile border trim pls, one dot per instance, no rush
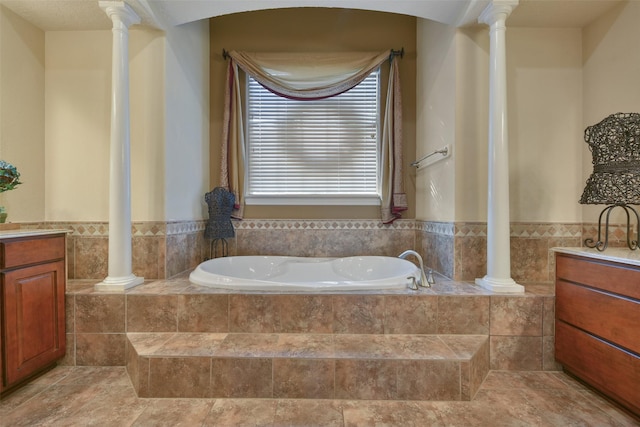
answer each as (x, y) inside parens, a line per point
(321, 224)
(532, 230)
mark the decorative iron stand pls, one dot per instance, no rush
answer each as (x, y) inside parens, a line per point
(600, 244)
(219, 227)
(213, 248)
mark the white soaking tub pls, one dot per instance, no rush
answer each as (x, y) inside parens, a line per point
(281, 273)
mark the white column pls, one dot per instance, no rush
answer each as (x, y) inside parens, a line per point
(120, 272)
(498, 278)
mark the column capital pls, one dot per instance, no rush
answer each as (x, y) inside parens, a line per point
(119, 12)
(497, 10)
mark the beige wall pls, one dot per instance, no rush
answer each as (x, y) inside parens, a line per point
(148, 140)
(435, 119)
(186, 103)
(169, 123)
(472, 120)
(22, 78)
(78, 120)
(310, 29)
(544, 81)
(611, 67)
(78, 76)
(55, 89)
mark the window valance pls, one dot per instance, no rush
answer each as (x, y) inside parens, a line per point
(309, 75)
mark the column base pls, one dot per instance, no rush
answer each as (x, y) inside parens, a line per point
(118, 284)
(499, 285)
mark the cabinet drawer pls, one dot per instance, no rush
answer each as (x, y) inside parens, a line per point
(608, 316)
(17, 252)
(614, 372)
(617, 278)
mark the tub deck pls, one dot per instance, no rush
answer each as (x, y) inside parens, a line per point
(182, 340)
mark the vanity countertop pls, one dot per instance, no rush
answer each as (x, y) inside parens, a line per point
(29, 232)
(622, 255)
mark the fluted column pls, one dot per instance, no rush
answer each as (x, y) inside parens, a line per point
(120, 275)
(498, 278)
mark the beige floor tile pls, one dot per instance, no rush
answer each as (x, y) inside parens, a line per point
(238, 412)
(174, 413)
(103, 396)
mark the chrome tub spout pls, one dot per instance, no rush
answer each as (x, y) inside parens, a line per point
(423, 281)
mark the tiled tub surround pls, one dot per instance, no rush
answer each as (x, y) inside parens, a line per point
(159, 249)
(323, 238)
(455, 249)
(359, 342)
(459, 250)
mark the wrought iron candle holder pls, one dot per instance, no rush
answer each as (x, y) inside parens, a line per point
(615, 181)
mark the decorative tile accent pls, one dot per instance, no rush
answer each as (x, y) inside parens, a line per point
(321, 224)
(470, 229)
(545, 230)
(185, 227)
(435, 227)
(617, 233)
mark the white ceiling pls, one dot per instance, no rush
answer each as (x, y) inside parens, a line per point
(559, 13)
(54, 15)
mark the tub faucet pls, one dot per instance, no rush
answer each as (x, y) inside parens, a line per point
(423, 281)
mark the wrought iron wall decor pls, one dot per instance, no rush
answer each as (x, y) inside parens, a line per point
(219, 227)
(615, 181)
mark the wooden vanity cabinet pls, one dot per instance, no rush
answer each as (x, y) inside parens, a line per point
(598, 325)
(32, 281)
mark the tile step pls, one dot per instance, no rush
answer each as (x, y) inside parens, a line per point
(313, 366)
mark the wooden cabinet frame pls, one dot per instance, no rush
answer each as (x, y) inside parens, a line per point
(598, 325)
(32, 286)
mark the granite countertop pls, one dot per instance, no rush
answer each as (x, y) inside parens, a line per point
(621, 255)
(27, 232)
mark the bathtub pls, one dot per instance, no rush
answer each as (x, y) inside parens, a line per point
(280, 273)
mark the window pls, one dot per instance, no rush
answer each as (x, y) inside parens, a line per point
(313, 152)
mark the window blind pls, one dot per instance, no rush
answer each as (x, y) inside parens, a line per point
(320, 148)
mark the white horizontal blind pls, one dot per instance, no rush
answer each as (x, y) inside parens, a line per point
(320, 148)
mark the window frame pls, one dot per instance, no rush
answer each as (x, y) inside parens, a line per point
(372, 199)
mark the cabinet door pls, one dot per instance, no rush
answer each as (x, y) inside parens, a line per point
(33, 319)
